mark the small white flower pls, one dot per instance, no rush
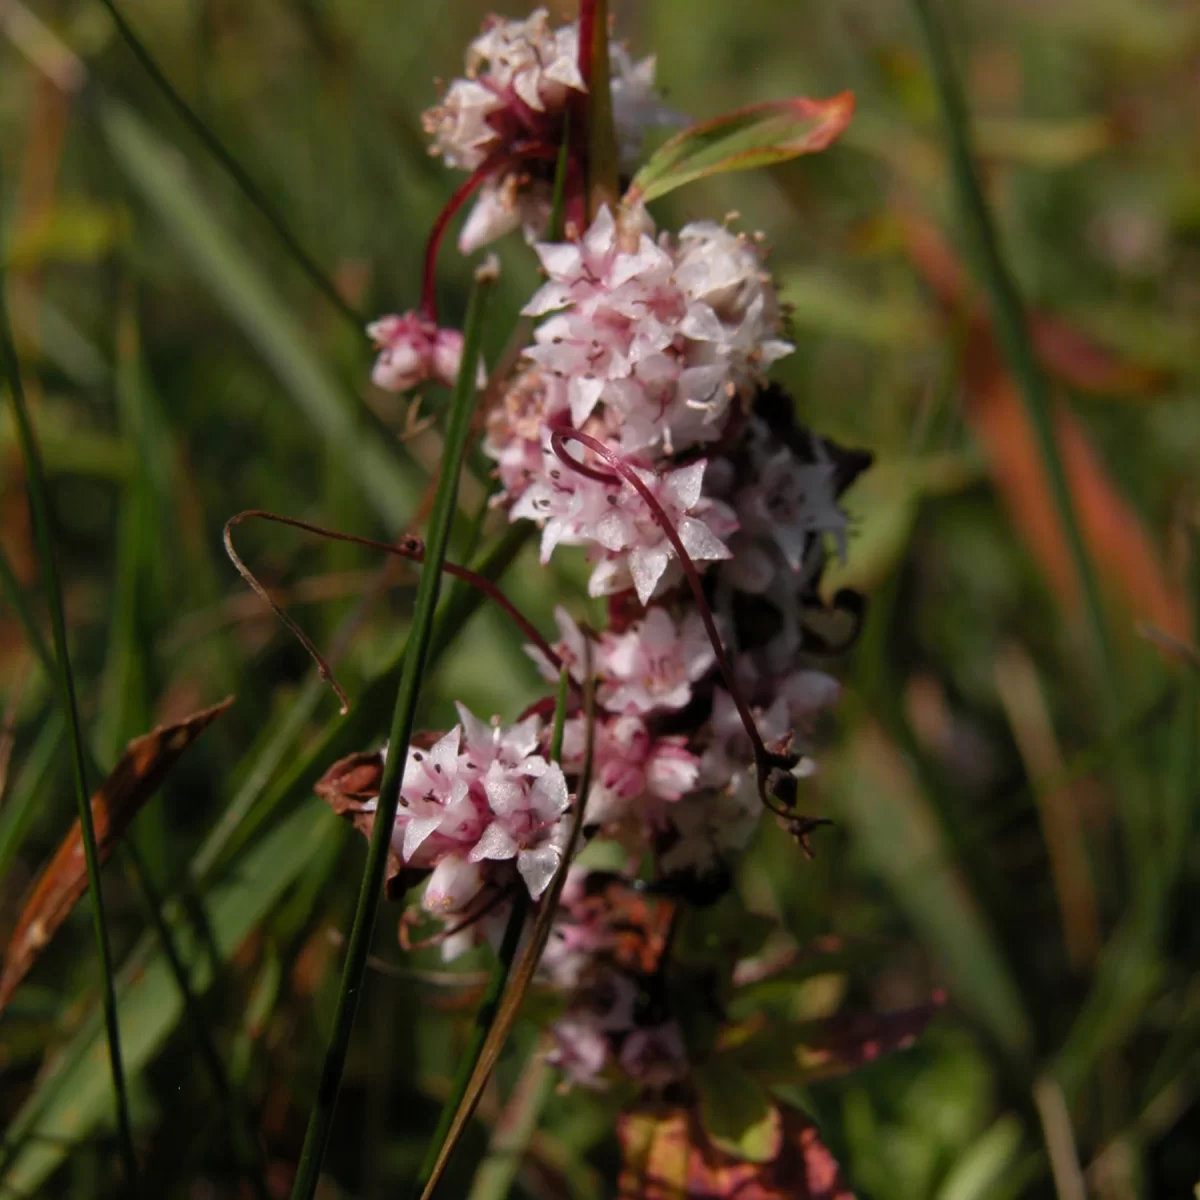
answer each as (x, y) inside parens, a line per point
(652, 667)
(413, 350)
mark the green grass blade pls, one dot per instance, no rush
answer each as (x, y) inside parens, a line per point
(40, 514)
(236, 171)
(28, 792)
(244, 1142)
(458, 429)
(379, 468)
(1008, 312)
(485, 1015)
(898, 837)
(513, 1132)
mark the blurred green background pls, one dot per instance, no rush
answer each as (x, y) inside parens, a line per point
(1003, 830)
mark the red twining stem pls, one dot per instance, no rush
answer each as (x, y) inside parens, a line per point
(493, 165)
(763, 758)
(409, 547)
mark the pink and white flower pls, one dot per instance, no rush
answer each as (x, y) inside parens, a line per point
(652, 666)
(480, 795)
(413, 350)
(633, 548)
(634, 773)
(669, 338)
(520, 76)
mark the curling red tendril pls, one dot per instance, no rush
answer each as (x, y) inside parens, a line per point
(765, 760)
(522, 152)
(409, 547)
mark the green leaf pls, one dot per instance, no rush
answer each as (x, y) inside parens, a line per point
(73, 1095)
(73, 231)
(737, 1114)
(28, 794)
(760, 135)
(980, 1170)
(883, 505)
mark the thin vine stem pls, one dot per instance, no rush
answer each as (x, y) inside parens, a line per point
(408, 547)
(764, 759)
(485, 1015)
(458, 428)
(465, 190)
(39, 509)
(240, 176)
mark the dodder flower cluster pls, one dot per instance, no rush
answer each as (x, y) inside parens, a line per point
(640, 426)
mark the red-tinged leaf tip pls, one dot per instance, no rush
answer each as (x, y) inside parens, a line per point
(833, 116)
(759, 135)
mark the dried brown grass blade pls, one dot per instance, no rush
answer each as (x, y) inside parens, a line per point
(146, 762)
(1115, 537)
(1116, 540)
(522, 975)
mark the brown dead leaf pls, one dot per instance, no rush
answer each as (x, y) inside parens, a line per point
(136, 777)
(665, 1156)
(350, 787)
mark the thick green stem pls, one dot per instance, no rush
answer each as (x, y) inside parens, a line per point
(458, 430)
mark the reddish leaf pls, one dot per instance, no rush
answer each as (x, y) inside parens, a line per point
(136, 777)
(1115, 537)
(665, 1156)
(1087, 366)
(853, 1040)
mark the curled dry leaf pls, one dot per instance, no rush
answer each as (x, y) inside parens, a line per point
(144, 765)
(666, 1156)
(350, 787)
